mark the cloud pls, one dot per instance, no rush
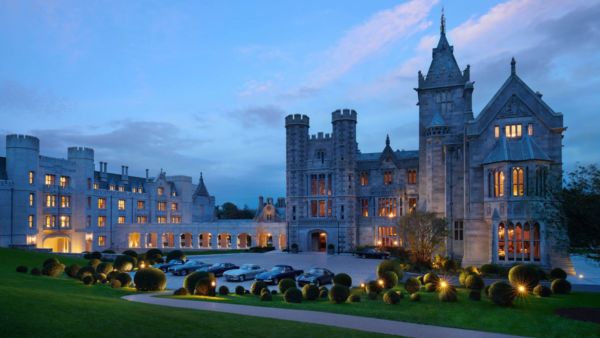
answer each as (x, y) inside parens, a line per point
(17, 98)
(254, 87)
(253, 116)
(264, 53)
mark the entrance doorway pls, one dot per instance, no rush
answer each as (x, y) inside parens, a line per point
(58, 244)
(318, 241)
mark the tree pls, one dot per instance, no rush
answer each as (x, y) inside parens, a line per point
(581, 205)
(230, 211)
(424, 232)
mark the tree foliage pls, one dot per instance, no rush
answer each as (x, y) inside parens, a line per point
(424, 232)
(230, 211)
(581, 205)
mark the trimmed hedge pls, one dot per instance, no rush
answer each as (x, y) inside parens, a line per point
(389, 265)
(490, 269)
(94, 262)
(412, 285)
(560, 286)
(338, 293)
(474, 282)
(266, 297)
(462, 277)
(51, 260)
(200, 282)
(100, 278)
(486, 290)
(150, 279)
(257, 287)
(391, 297)
(310, 292)
(542, 291)
(85, 270)
(558, 273)
(239, 290)
(95, 254)
(273, 292)
(372, 295)
(502, 293)
(223, 290)
(430, 287)
(390, 279)
(431, 278)
(53, 269)
(524, 274)
(415, 297)
(88, 280)
(285, 284)
(111, 275)
(104, 267)
(373, 286)
(22, 269)
(180, 292)
(342, 279)
(353, 298)
(175, 254)
(130, 253)
(115, 284)
(293, 295)
(124, 278)
(72, 270)
(448, 294)
(125, 263)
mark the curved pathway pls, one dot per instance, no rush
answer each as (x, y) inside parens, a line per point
(368, 324)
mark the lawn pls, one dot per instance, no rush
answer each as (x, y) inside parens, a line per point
(530, 316)
(33, 306)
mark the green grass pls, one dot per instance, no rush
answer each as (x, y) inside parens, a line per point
(530, 316)
(34, 306)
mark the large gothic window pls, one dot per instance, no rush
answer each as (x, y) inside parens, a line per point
(499, 183)
(518, 185)
(520, 242)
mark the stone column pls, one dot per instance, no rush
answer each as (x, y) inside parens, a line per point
(177, 240)
(234, 239)
(215, 241)
(143, 239)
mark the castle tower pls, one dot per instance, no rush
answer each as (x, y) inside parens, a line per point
(81, 182)
(296, 129)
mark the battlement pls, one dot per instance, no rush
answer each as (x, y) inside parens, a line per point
(320, 136)
(296, 119)
(23, 142)
(343, 115)
(80, 153)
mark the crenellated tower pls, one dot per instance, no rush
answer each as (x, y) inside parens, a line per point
(297, 138)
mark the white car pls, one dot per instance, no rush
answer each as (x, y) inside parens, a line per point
(245, 272)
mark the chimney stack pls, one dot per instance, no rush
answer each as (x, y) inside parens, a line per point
(260, 203)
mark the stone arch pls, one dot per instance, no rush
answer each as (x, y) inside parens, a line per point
(134, 240)
(244, 240)
(152, 240)
(185, 240)
(58, 243)
(168, 240)
(224, 240)
(205, 240)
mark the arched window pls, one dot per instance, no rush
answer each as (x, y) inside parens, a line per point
(501, 242)
(536, 242)
(499, 183)
(526, 242)
(511, 242)
(519, 241)
(517, 182)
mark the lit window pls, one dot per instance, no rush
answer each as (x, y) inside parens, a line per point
(101, 221)
(513, 130)
(174, 193)
(140, 190)
(96, 186)
(49, 179)
(111, 187)
(518, 242)
(499, 183)
(134, 240)
(142, 219)
(160, 191)
(175, 219)
(65, 201)
(388, 178)
(161, 219)
(134, 189)
(121, 205)
(64, 181)
(101, 203)
(412, 176)
(387, 207)
(161, 206)
(121, 188)
(50, 201)
(121, 220)
(101, 240)
(313, 208)
(364, 204)
(50, 221)
(530, 129)
(65, 221)
(364, 178)
(497, 131)
(517, 182)
(174, 206)
(31, 199)
(31, 221)
(322, 209)
(141, 204)
(31, 177)
(412, 205)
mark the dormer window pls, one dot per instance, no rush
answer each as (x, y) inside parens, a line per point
(513, 130)
(497, 131)
(530, 129)
(364, 178)
(160, 191)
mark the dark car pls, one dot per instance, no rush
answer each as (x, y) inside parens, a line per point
(372, 253)
(165, 266)
(277, 273)
(187, 268)
(316, 276)
(219, 268)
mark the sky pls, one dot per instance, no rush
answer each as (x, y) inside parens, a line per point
(204, 86)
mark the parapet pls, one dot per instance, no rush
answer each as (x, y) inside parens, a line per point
(296, 119)
(23, 142)
(320, 136)
(343, 115)
(80, 153)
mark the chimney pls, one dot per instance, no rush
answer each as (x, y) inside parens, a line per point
(147, 174)
(124, 173)
(260, 203)
(102, 171)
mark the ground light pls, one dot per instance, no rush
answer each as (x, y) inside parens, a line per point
(522, 289)
(380, 282)
(443, 284)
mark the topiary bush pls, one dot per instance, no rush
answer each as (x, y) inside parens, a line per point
(558, 273)
(292, 295)
(415, 297)
(72, 270)
(323, 292)
(124, 278)
(524, 274)
(338, 293)
(475, 294)
(266, 297)
(108, 251)
(474, 282)
(200, 283)
(154, 254)
(502, 293)
(111, 275)
(100, 278)
(542, 291)
(104, 267)
(223, 290)
(372, 295)
(310, 292)
(390, 279)
(22, 269)
(239, 290)
(180, 292)
(430, 287)
(285, 284)
(353, 298)
(490, 269)
(391, 297)
(53, 269)
(342, 279)
(431, 278)
(36, 272)
(412, 285)
(389, 265)
(125, 263)
(150, 279)
(84, 271)
(448, 294)
(486, 290)
(560, 286)
(420, 278)
(95, 255)
(51, 260)
(257, 287)
(130, 253)
(176, 254)
(373, 286)
(462, 277)
(115, 284)
(88, 280)
(94, 262)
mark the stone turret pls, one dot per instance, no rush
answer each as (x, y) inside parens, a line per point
(297, 139)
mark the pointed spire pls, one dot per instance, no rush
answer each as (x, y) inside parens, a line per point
(443, 23)
(513, 67)
(387, 140)
(201, 189)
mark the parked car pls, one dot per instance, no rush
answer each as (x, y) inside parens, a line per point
(372, 253)
(187, 268)
(219, 268)
(245, 272)
(165, 266)
(316, 276)
(277, 273)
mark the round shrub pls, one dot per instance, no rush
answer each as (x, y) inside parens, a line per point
(180, 292)
(390, 279)
(36, 272)
(111, 275)
(124, 278)
(391, 297)
(246, 292)
(354, 298)
(115, 284)
(542, 291)
(154, 254)
(150, 279)
(338, 293)
(104, 267)
(175, 254)
(293, 295)
(372, 295)
(389, 265)
(95, 255)
(415, 297)
(239, 290)
(486, 290)
(125, 263)
(88, 279)
(323, 292)
(22, 269)
(472, 270)
(266, 297)
(420, 278)
(86, 270)
(108, 251)
(412, 285)
(223, 290)
(342, 279)
(257, 287)
(94, 262)
(130, 253)
(447, 294)
(53, 269)
(558, 273)
(310, 292)
(100, 278)
(431, 278)
(474, 282)
(51, 260)
(524, 274)
(373, 286)
(475, 294)
(502, 293)
(489, 269)
(462, 277)
(285, 284)
(560, 286)
(430, 287)
(72, 270)
(200, 283)
(449, 265)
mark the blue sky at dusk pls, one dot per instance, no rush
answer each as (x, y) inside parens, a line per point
(203, 86)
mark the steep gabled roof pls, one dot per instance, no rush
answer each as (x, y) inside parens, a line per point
(201, 188)
(523, 149)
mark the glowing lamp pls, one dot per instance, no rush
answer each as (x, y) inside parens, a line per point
(142, 265)
(521, 289)
(380, 282)
(395, 242)
(213, 284)
(580, 276)
(362, 285)
(443, 284)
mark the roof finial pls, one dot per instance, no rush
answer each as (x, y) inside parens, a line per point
(443, 23)
(201, 176)
(387, 140)
(513, 66)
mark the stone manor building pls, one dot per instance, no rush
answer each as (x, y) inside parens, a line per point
(482, 172)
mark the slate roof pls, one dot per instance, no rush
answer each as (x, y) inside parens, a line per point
(133, 181)
(201, 188)
(398, 154)
(3, 175)
(523, 149)
(443, 70)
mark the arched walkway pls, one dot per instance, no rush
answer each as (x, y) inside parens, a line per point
(168, 240)
(185, 240)
(134, 240)
(152, 240)
(265, 239)
(205, 240)
(224, 240)
(57, 243)
(244, 241)
(317, 240)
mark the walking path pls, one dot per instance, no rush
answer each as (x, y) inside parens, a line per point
(314, 317)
